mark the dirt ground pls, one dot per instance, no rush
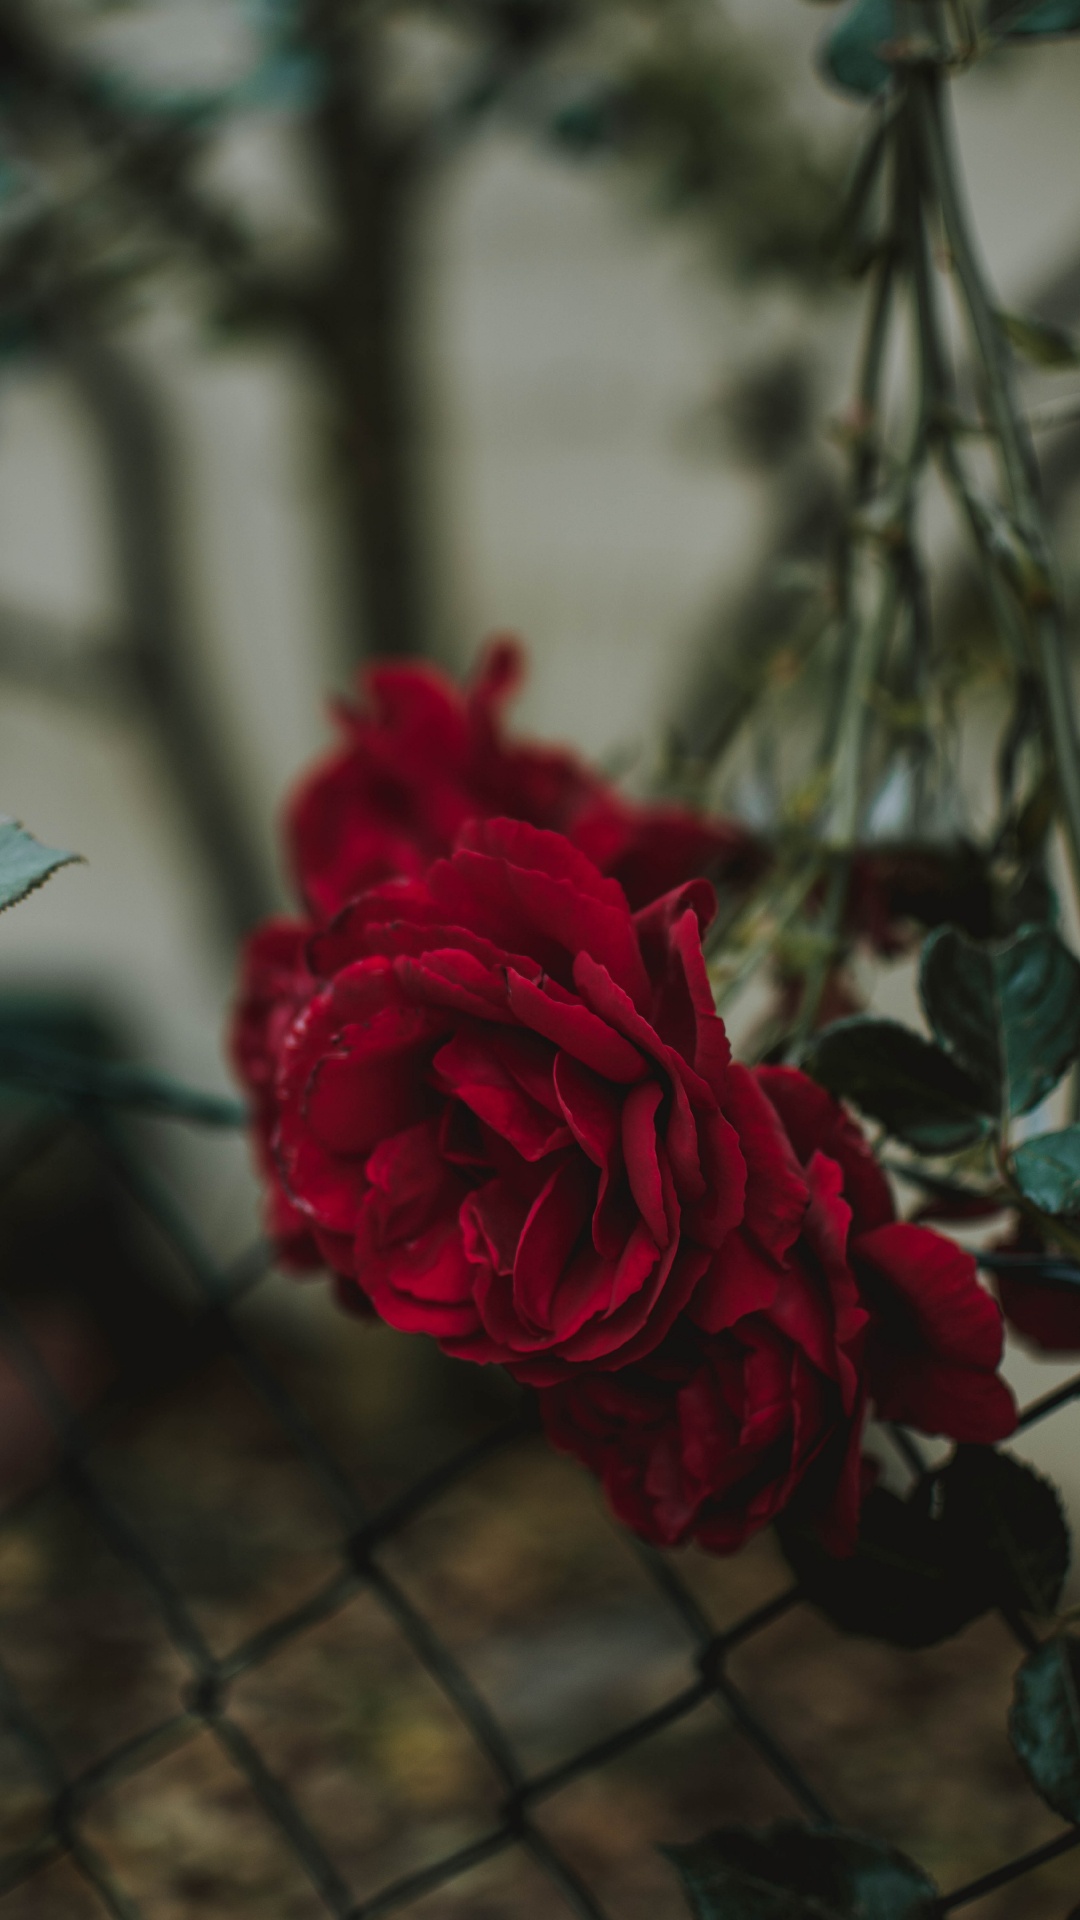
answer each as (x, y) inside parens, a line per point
(550, 1612)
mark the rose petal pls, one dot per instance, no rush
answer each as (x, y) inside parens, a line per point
(740, 1280)
(814, 1120)
(940, 1397)
(477, 1075)
(561, 1017)
(936, 1282)
(639, 1153)
(776, 1192)
(553, 1227)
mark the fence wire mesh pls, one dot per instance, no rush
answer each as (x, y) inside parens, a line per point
(203, 1705)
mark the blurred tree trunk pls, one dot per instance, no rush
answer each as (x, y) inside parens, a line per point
(158, 656)
(360, 328)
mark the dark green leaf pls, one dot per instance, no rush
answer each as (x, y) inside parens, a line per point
(1047, 1170)
(1036, 340)
(1044, 1725)
(1008, 1519)
(1008, 1013)
(25, 863)
(917, 1092)
(983, 1533)
(788, 1872)
(903, 1584)
(851, 54)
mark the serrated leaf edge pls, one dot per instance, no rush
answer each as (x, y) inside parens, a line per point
(59, 858)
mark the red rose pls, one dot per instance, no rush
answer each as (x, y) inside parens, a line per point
(936, 1336)
(421, 758)
(509, 1115)
(714, 1434)
(1047, 1317)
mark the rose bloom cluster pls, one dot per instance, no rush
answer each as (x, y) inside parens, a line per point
(492, 1095)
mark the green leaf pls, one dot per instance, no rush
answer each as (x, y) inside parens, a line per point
(1008, 1013)
(985, 1532)
(1009, 1520)
(1044, 1724)
(917, 1092)
(904, 1583)
(1047, 1170)
(1036, 340)
(25, 863)
(850, 55)
(788, 1872)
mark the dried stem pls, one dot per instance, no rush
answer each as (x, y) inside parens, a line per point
(880, 598)
(1048, 629)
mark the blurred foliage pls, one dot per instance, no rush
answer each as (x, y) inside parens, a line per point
(1045, 1723)
(118, 191)
(703, 109)
(789, 1873)
(985, 1531)
(108, 177)
(113, 185)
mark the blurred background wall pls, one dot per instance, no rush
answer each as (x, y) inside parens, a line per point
(580, 352)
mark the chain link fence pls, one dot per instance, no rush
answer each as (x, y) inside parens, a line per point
(89, 1100)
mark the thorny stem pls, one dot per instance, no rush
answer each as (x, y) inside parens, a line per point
(870, 640)
(817, 976)
(1048, 624)
(912, 136)
(864, 638)
(859, 648)
(726, 987)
